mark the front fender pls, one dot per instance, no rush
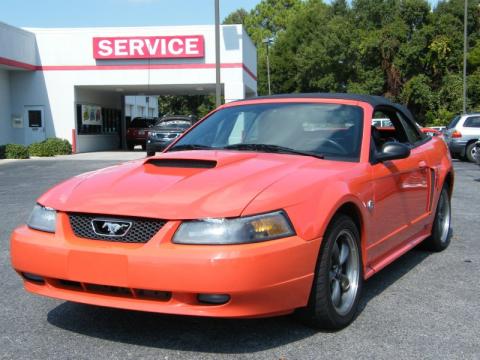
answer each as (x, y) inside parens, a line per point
(312, 201)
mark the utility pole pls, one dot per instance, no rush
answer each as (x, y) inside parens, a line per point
(268, 41)
(465, 51)
(218, 89)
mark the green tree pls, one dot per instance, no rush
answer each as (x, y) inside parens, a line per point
(237, 17)
(265, 21)
(198, 105)
(401, 49)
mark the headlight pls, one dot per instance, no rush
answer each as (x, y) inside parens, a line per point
(43, 219)
(235, 231)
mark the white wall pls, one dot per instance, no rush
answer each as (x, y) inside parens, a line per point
(5, 112)
(28, 88)
(62, 58)
(102, 98)
(133, 102)
(17, 44)
(250, 60)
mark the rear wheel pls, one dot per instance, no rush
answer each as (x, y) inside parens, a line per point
(471, 152)
(130, 146)
(150, 153)
(441, 230)
(337, 285)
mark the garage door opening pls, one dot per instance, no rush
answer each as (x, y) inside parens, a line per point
(105, 113)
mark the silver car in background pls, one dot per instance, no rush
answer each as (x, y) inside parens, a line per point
(461, 136)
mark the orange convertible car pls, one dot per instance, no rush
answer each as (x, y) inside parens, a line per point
(265, 207)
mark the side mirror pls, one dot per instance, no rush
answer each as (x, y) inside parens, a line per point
(393, 151)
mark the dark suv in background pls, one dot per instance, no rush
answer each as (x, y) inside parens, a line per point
(137, 131)
(167, 129)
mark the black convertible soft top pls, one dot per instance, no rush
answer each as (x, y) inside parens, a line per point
(373, 100)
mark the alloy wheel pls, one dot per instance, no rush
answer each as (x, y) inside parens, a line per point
(444, 215)
(344, 272)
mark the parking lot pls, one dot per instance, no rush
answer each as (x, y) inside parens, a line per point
(422, 306)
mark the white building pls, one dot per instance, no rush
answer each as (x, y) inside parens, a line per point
(141, 106)
(72, 83)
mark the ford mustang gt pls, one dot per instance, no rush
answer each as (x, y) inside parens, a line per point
(266, 206)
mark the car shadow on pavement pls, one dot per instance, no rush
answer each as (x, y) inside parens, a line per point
(381, 281)
(223, 336)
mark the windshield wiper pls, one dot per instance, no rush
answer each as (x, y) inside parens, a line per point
(273, 149)
(190, 147)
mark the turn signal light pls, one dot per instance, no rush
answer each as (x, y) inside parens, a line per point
(456, 134)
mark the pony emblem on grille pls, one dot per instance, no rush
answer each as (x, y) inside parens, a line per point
(111, 227)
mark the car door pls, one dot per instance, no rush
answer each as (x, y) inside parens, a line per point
(401, 189)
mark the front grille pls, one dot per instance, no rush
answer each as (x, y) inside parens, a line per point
(141, 231)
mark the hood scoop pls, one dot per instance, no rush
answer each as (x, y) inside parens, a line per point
(182, 163)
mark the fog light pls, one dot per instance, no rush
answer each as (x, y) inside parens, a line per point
(214, 299)
(33, 278)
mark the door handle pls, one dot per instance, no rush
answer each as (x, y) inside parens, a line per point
(422, 164)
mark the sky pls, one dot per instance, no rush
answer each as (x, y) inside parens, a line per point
(84, 13)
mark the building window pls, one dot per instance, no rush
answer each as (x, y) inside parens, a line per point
(110, 122)
(34, 118)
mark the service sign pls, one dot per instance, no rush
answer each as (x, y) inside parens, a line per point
(149, 47)
(91, 115)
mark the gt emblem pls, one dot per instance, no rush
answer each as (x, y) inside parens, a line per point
(111, 227)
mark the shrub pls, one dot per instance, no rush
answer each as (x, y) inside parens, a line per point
(50, 147)
(16, 151)
(2, 151)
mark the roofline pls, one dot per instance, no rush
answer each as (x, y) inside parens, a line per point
(370, 99)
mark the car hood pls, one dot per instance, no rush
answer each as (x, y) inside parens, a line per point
(176, 185)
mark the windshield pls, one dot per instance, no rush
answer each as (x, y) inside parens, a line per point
(328, 130)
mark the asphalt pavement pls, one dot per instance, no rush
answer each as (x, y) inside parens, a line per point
(422, 306)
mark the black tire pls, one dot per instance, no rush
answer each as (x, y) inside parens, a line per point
(144, 147)
(150, 153)
(441, 233)
(469, 153)
(321, 311)
(130, 146)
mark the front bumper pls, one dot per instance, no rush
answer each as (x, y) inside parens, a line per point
(261, 279)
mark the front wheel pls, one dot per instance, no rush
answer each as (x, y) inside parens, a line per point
(441, 230)
(337, 285)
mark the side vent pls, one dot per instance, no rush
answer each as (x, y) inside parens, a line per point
(182, 163)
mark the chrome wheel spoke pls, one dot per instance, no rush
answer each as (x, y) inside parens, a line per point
(336, 293)
(344, 253)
